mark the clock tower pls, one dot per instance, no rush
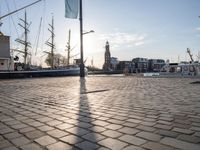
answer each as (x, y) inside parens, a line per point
(106, 65)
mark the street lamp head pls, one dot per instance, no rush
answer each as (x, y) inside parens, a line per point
(91, 31)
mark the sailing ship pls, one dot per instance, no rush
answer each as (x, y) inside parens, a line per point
(24, 69)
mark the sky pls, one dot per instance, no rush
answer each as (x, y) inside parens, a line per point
(134, 28)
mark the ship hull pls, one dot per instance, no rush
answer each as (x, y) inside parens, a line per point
(39, 73)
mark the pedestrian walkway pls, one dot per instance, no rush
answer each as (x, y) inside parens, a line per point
(118, 113)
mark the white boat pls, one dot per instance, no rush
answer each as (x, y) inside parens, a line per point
(179, 70)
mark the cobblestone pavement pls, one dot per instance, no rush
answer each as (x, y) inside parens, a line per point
(102, 113)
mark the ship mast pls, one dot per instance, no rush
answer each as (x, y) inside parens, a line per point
(68, 48)
(25, 41)
(51, 44)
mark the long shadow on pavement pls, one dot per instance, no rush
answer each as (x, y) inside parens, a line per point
(84, 126)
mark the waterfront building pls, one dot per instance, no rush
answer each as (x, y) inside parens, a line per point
(155, 65)
(126, 66)
(6, 62)
(113, 63)
(141, 64)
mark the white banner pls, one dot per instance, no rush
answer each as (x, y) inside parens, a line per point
(71, 9)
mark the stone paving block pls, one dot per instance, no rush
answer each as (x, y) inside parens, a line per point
(120, 117)
(164, 122)
(115, 121)
(1, 138)
(71, 139)
(197, 134)
(162, 126)
(184, 131)
(12, 135)
(61, 118)
(134, 121)
(6, 130)
(97, 129)
(59, 146)
(4, 143)
(132, 140)
(2, 126)
(183, 126)
(196, 124)
(36, 124)
(112, 144)
(167, 133)
(145, 123)
(182, 121)
(20, 141)
(84, 125)
(128, 130)
(28, 120)
(187, 138)
(103, 118)
(103, 148)
(100, 123)
(57, 133)
(64, 126)
(85, 119)
(31, 146)
(45, 128)
(7, 119)
(195, 128)
(19, 126)
(111, 133)
(85, 145)
(45, 140)
(44, 119)
(156, 146)
(179, 144)
(129, 124)
(28, 129)
(149, 136)
(133, 148)
(146, 128)
(54, 123)
(149, 120)
(13, 122)
(34, 134)
(166, 118)
(113, 126)
(93, 137)
(11, 148)
(77, 131)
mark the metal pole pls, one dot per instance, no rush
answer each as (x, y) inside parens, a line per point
(82, 72)
(68, 48)
(26, 40)
(52, 41)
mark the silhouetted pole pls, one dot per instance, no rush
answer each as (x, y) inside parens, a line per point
(1, 17)
(82, 72)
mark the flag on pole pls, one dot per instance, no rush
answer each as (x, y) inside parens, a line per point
(71, 8)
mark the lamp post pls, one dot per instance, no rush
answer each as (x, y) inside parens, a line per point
(82, 71)
(82, 66)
